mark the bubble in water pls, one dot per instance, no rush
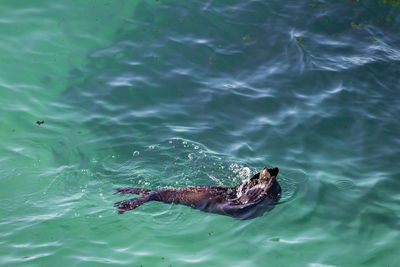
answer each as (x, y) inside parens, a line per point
(135, 153)
(244, 173)
(190, 156)
(196, 147)
(234, 167)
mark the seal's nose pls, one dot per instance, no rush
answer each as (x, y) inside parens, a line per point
(274, 171)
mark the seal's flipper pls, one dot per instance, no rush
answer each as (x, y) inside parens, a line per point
(130, 190)
(131, 204)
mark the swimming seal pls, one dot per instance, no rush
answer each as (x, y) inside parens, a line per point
(247, 200)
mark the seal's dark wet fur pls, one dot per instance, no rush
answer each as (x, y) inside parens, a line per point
(247, 200)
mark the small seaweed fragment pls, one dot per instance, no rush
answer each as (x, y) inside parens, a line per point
(100, 82)
(372, 39)
(313, 5)
(246, 37)
(210, 60)
(300, 40)
(39, 122)
(393, 3)
(275, 239)
(355, 25)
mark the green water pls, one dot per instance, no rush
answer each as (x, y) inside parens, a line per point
(176, 93)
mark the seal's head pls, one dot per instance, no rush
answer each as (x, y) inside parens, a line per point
(268, 175)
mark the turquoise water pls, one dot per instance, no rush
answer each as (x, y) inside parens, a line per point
(176, 93)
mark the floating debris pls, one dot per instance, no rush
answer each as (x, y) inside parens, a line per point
(355, 25)
(372, 39)
(246, 37)
(393, 3)
(210, 60)
(313, 5)
(300, 40)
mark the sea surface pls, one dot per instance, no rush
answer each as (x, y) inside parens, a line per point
(163, 93)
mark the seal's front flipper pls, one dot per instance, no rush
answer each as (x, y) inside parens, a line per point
(130, 190)
(131, 204)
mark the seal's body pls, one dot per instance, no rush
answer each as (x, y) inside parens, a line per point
(247, 200)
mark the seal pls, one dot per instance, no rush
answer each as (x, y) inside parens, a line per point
(247, 200)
